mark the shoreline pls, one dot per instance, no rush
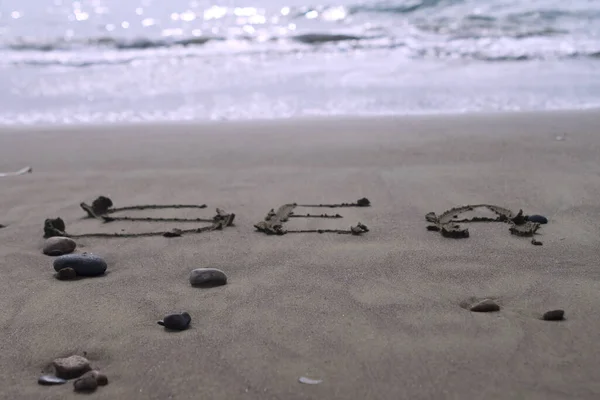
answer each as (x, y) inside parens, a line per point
(381, 315)
(297, 119)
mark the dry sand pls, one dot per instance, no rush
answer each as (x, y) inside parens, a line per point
(374, 316)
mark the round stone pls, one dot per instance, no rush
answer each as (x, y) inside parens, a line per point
(101, 378)
(71, 367)
(540, 219)
(59, 245)
(554, 315)
(87, 383)
(66, 274)
(84, 264)
(50, 380)
(486, 305)
(176, 322)
(207, 277)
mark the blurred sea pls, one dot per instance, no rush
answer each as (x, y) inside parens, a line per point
(104, 61)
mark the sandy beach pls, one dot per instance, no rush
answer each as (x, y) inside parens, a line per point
(375, 316)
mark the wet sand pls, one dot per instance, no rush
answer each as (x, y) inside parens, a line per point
(375, 316)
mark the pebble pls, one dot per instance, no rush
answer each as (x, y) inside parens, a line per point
(59, 245)
(486, 305)
(176, 322)
(84, 264)
(87, 383)
(538, 218)
(309, 381)
(50, 380)
(71, 367)
(554, 315)
(208, 277)
(101, 379)
(66, 274)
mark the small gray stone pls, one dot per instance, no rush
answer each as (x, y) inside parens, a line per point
(71, 367)
(486, 305)
(84, 264)
(66, 274)
(554, 315)
(59, 245)
(176, 322)
(101, 378)
(50, 380)
(87, 383)
(207, 277)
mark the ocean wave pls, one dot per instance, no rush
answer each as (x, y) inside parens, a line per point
(107, 42)
(425, 54)
(315, 38)
(389, 7)
(491, 31)
(450, 33)
(148, 43)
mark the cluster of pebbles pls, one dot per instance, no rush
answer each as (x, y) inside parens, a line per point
(76, 368)
(489, 305)
(70, 266)
(200, 277)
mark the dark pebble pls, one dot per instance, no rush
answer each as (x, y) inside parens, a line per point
(536, 242)
(50, 380)
(84, 264)
(207, 277)
(538, 218)
(433, 228)
(486, 305)
(176, 322)
(101, 379)
(86, 383)
(66, 274)
(554, 315)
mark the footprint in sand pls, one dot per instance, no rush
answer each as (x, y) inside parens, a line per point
(489, 304)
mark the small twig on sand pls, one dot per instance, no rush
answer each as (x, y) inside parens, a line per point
(273, 222)
(151, 219)
(446, 223)
(364, 202)
(56, 227)
(103, 206)
(315, 216)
